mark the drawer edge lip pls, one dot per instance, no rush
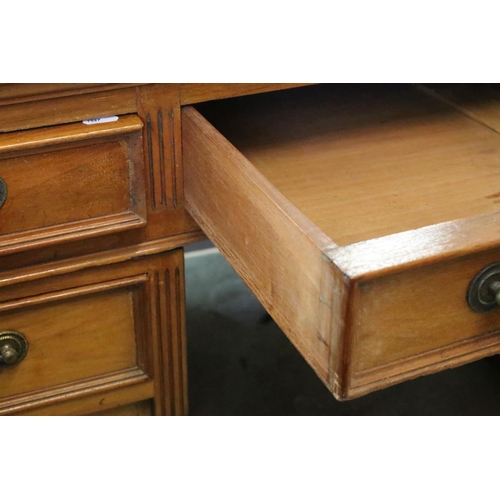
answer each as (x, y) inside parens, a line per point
(31, 92)
(194, 93)
(429, 369)
(68, 293)
(70, 231)
(459, 353)
(70, 133)
(74, 390)
(426, 245)
(97, 259)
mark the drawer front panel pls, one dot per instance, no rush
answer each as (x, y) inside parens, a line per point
(72, 335)
(76, 183)
(64, 186)
(101, 334)
(413, 320)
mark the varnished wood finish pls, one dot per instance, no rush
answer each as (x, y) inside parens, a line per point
(93, 402)
(71, 239)
(377, 181)
(95, 329)
(62, 331)
(191, 93)
(89, 214)
(101, 259)
(141, 409)
(71, 182)
(67, 109)
(21, 92)
(238, 210)
(363, 162)
(23, 107)
(41, 138)
(357, 214)
(420, 327)
(159, 110)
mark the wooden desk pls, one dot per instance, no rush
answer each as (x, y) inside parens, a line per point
(91, 237)
(365, 267)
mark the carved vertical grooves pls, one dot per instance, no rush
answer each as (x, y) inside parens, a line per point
(170, 349)
(160, 389)
(159, 109)
(173, 159)
(161, 147)
(150, 161)
(169, 368)
(180, 344)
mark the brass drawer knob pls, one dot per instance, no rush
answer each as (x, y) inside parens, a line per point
(484, 290)
(495, 289)
(3, 192)
(13, 348)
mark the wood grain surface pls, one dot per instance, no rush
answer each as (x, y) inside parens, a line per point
(21, 92)
(271, 245)
(481, 102)
(65, 344)
(90, 400)
(97, 328)
(363, 162)
(191, 93)
(68, 182)
(392, 187)
(59, 135)
(75, 107)
(141, 409)
(72, 192)
(356, 213)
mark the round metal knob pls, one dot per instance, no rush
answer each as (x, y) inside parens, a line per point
(495, 289)
(9, 355)
(484, 290)
(3, 192)
(13, 348)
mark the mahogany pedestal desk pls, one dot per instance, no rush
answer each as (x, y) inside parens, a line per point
(363, 217)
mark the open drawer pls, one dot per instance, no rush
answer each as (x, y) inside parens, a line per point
(360, 216)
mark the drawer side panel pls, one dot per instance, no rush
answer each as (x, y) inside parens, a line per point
(278, 256)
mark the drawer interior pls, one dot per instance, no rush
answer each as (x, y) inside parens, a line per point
(365, 161)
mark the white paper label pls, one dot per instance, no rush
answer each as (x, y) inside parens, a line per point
(100, 119)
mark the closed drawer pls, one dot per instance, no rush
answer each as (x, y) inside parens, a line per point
(358, 215)
(94, 337)
(69, 182)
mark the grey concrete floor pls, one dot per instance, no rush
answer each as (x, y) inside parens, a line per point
(240, 363)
